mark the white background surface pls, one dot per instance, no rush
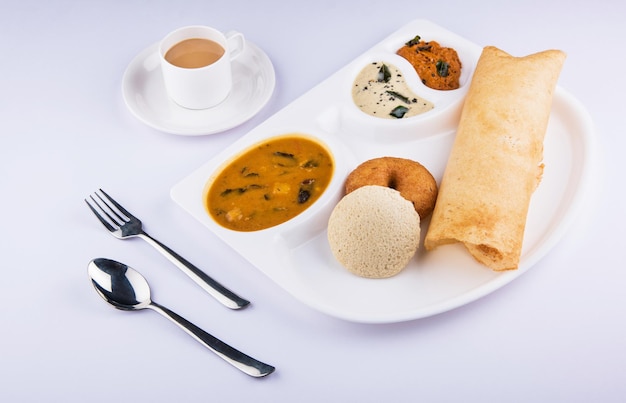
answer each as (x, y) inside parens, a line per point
(555, 334)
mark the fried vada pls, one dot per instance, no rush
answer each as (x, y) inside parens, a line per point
(414, 182)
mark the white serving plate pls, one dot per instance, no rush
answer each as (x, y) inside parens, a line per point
(296, 254)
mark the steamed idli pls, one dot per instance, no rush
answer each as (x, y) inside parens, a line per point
(374, 232)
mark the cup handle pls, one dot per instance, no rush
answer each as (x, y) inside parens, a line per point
(236, 44)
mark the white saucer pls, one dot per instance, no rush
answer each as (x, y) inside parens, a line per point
(144, 93)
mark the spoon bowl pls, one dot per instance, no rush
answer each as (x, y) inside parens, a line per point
(126, 289)
(119, 285)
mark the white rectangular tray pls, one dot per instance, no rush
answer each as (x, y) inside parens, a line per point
(296, 254)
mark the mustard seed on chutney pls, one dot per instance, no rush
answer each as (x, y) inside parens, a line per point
(438, 67)
(270, 183)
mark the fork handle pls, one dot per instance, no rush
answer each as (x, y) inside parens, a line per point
(215, 289)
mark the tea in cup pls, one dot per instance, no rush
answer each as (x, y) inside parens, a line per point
(196, 65)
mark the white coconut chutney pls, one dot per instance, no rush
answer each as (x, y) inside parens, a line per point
(380, 90)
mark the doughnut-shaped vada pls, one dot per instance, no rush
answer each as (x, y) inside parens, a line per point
(414, 182)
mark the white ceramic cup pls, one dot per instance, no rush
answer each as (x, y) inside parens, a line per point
(201, 87)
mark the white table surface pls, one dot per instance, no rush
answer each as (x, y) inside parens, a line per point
(555, 334)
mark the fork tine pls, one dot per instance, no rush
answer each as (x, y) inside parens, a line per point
(116, 204)
(102, 220)
(113, 215)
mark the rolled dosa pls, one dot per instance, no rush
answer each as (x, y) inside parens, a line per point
(496, 160)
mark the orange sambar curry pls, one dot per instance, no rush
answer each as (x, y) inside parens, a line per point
(270, 183)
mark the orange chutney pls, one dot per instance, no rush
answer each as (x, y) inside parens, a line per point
(270, 183)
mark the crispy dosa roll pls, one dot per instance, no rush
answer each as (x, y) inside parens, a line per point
(496, 160)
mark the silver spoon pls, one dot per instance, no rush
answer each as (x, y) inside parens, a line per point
(126, 289)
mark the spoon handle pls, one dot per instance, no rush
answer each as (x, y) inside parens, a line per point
(231, 355)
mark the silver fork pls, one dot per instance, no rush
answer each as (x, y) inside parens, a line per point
(123, 224)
